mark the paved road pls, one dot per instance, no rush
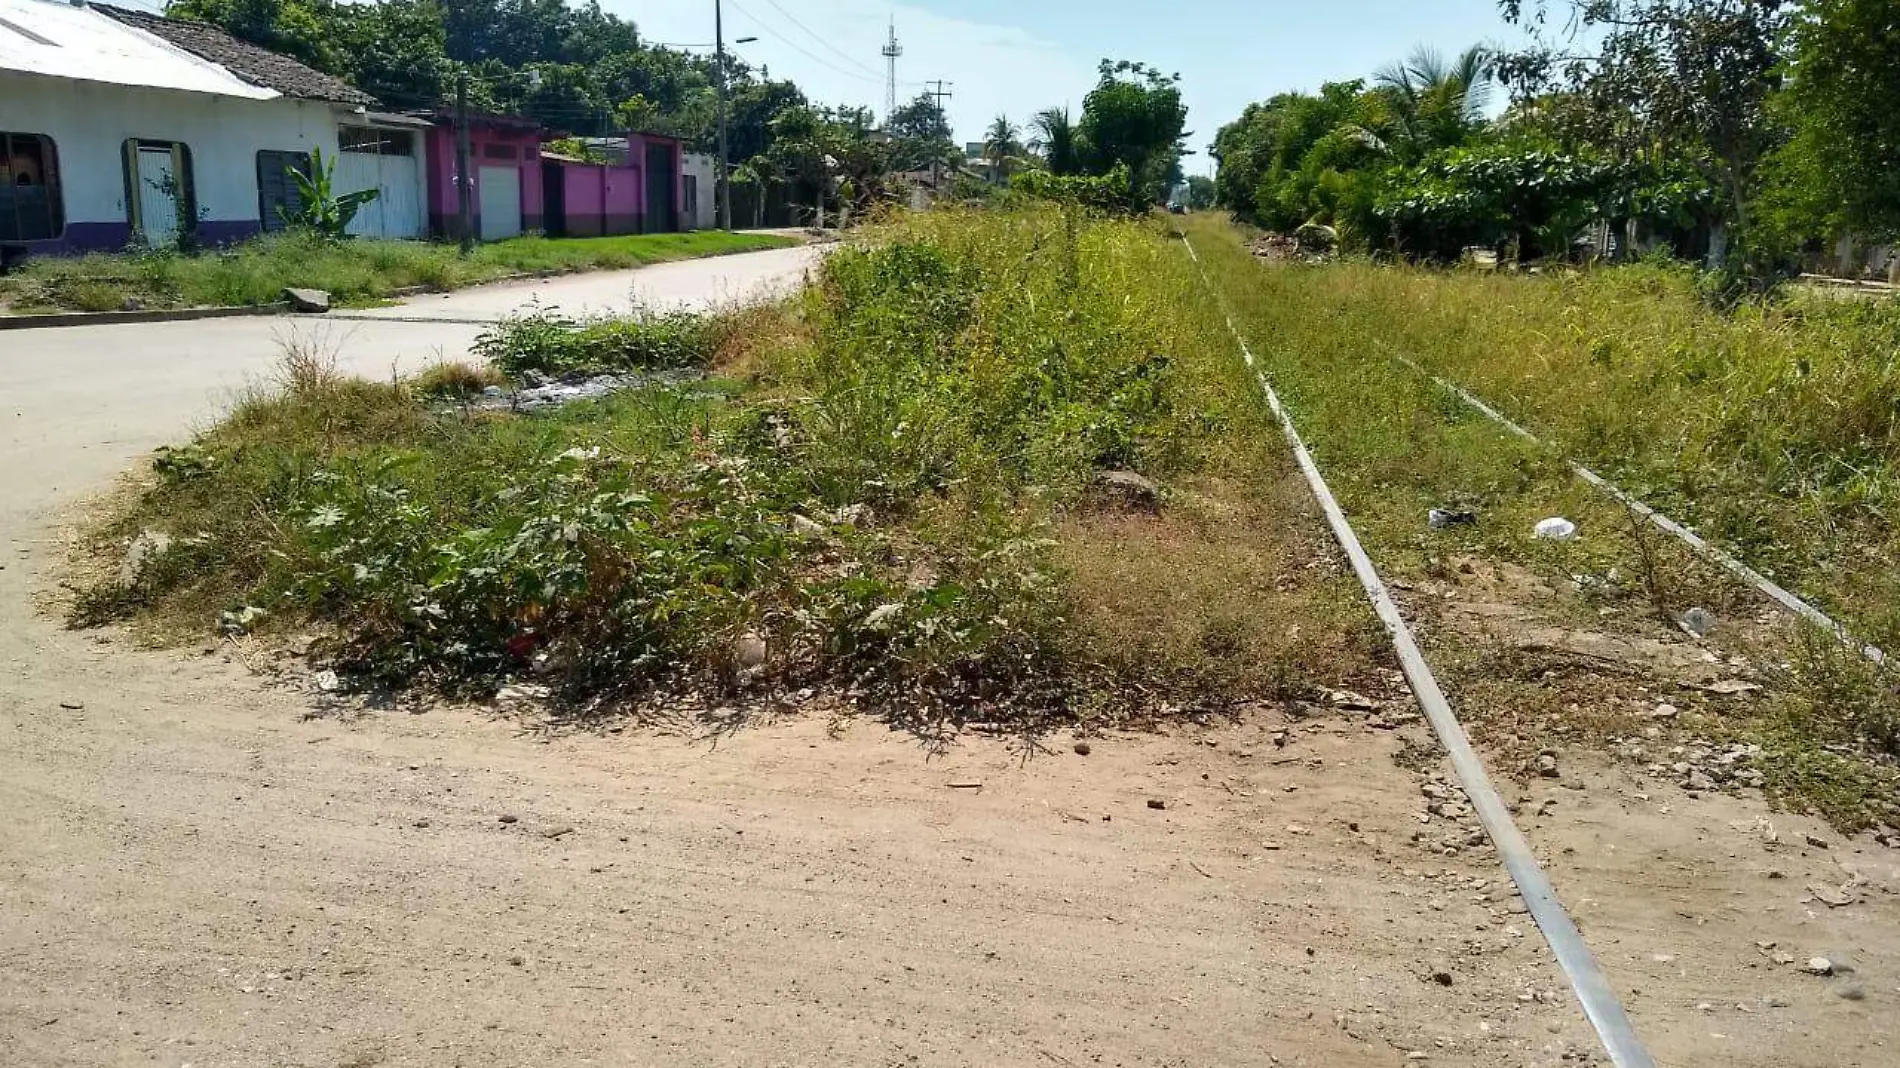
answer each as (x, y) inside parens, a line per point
(81, 402)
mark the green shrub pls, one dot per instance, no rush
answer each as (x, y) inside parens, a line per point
(550, 343)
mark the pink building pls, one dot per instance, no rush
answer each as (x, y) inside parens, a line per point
(505, 160)
(639, 192)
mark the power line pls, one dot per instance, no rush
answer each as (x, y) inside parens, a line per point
(807, 53)
(834, 49)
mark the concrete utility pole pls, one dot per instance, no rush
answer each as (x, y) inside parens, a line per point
(939, 93)
(464, 181)
(724, 178)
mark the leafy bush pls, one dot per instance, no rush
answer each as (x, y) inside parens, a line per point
(1110, 192)
(1539, 197)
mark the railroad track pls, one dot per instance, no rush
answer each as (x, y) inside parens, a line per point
(1586, 978)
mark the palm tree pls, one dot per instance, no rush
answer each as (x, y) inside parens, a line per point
(1056, 139)
(1436, 103)
(1002, 147)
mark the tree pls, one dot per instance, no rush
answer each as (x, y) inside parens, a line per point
(1839, 172)
(1679, 79)
(1056, 140)
(1002, 147)
(819, 151)
(1299, 158)
(1135, 118)
(1435, 104)
(920, 136)
(1201, 192)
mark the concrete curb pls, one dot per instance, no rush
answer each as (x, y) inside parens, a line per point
(168, 315)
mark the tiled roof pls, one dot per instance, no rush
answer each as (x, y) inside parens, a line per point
(259, 66)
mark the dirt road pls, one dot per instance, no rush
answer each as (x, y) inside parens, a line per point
(200, 866)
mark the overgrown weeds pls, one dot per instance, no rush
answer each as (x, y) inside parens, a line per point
(549, 343)
(1740, 424)
(893, 503)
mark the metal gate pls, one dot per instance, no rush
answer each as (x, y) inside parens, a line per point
(383, 160)
(159, 176)
(500, 197)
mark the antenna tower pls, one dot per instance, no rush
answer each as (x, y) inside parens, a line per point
(891, 51)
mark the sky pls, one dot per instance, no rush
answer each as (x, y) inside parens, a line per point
(1017, 57)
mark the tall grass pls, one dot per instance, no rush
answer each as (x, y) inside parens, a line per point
(897, 501)
(1770, 427)
(257, 271)
(1773, 428)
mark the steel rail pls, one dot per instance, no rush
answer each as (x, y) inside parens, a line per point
(1592, 988)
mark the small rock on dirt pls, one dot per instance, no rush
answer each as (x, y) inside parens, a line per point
(1547, 766)
(73, 706)
(1157, 803)
(750, 652)
(1818, 966)
(307, 300)
(1816, 841)
(1440, 518)
(1082, 749)
(1441, 975)
(1129, 489)
(510, 818)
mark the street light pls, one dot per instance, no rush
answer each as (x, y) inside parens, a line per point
(724, 221)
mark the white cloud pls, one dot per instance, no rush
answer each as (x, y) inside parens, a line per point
(995, 69)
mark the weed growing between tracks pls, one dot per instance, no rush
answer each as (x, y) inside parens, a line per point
(1771, 428)
(890, 489)
(1543, 641)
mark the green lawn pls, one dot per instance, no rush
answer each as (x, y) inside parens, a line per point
(257, 271)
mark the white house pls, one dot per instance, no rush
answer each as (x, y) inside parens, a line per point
(119, 126)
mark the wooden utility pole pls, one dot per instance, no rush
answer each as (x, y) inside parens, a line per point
(464, 180)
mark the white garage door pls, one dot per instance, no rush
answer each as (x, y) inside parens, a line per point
(397, 209)
(501, 202)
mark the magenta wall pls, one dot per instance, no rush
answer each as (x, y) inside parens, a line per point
(598, 199)
(525, 141)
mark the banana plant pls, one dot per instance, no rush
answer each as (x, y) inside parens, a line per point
(320, 209)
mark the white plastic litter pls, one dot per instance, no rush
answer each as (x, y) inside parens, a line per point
(1556, 528)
